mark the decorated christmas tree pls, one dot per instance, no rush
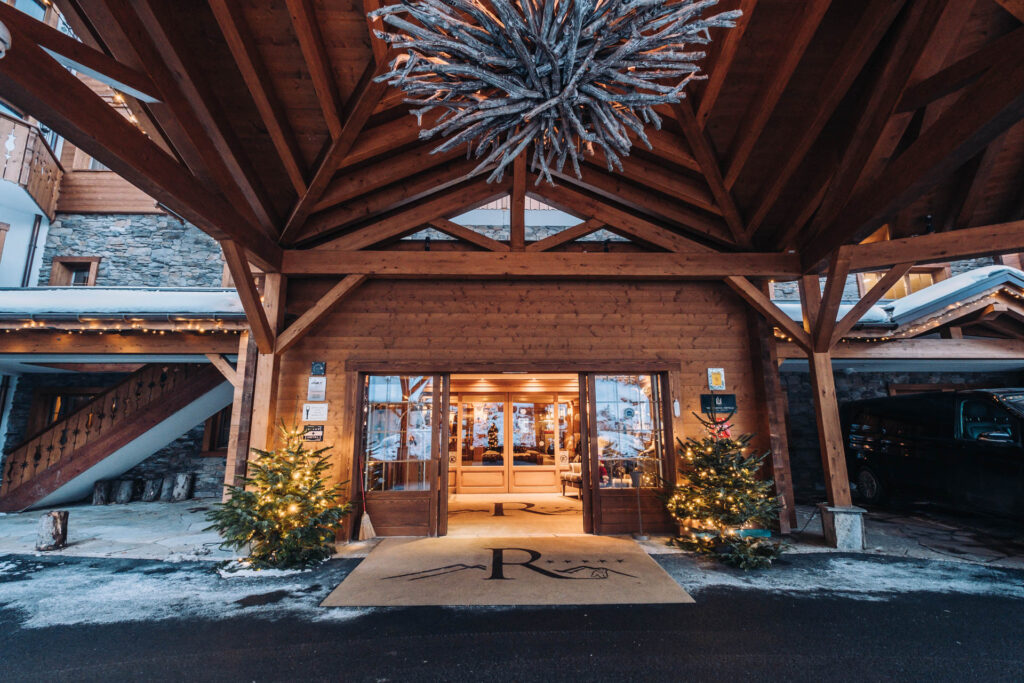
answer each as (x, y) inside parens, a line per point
(722, 507)
(492, 437)
(283, 512)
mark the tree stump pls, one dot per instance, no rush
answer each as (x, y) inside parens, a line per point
(52, 532)
(183, 482)
(101, 493)
(151, 490)
(167, 487)
(124, 491)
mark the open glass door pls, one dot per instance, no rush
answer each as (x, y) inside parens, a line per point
(628, 458)
(399, 452)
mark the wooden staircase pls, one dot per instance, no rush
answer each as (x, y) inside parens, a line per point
(70, 448)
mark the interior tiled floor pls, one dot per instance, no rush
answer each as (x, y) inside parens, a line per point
(521, 514)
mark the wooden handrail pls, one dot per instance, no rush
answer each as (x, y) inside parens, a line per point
(31, 163)
(58, 443)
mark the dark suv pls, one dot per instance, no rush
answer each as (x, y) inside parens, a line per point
(959, 448)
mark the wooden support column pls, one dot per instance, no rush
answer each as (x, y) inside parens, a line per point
(264, 409)
(517, 204)
(241, 412)
(770, 394)
(826, 406)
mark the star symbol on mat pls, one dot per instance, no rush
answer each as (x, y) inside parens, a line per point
(551, 561)
(568, 561)
(620, 561)
(602, 561)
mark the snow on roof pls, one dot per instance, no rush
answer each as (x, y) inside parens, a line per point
(874, 316)
(957, 288)
(42, 301)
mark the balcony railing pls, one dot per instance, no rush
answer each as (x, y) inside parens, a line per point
(27, 161)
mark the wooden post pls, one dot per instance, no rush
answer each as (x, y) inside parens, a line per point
(241, 412)
(268, 365)
(826, 406)
(769, 393)
(830, 433)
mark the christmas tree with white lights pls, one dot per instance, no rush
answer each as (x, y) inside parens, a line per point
(283, 512)
(722, 507)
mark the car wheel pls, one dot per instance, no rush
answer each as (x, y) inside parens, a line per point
(869, 486)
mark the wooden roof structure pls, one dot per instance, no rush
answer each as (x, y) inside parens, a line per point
(819, 122)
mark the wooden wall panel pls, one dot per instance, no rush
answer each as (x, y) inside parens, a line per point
(85, 191)
(445, 325)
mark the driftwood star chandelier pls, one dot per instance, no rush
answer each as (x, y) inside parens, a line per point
(568, 76)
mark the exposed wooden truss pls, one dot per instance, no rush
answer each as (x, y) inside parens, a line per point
(925, 109)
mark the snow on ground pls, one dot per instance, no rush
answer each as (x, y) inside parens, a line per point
(853, 576)
(70, 591)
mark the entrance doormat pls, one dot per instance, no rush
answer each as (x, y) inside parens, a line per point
(555, 570)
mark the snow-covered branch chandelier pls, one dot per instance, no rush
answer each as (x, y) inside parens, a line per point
(568, 76)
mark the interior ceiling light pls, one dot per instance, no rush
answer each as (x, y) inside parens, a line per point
(570, 77)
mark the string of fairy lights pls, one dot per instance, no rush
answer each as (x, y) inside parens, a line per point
(205, 326)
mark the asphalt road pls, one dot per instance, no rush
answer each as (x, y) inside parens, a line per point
(730, 634)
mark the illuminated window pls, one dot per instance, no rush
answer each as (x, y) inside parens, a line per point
(916, 280)
(74, 271)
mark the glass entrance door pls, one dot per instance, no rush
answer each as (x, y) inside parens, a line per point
(510, 443)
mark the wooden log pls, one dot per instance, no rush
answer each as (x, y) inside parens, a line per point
(151, 490)
(124, 491)
(183, 483)
(167, 487)
(52, 532)
(101, 493)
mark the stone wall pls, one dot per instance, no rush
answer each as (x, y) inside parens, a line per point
(136, 250)
(804, 453)
(181, 455)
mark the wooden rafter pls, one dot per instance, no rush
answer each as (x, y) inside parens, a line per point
(1014, 7)
(389, 198)
(874, 23)
(872, 297)
(385, 138)
(908, 51)
(984, 111)
(181, 74)
(329, 260)
(707, 157)
(467, 235)
(200, 132)
(975, 193)
(577, 202)
(81, 57)
(408, 219)
(358, 110)
(957, 75)
(33, 81)
(720, 69)
(641, 200)
(379, 47)
(255, 313)
(762, 107)
(298, 329)
(568, 235)
(311, 41)
(760, 302)
(348, 185)
(517, 204)
(663, 177)
(250, 63)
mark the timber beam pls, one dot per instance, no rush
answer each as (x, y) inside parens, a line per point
(918, 349)
(988, 240)
(538, 264)
(298, 329)
(250, 298)
(80, 57)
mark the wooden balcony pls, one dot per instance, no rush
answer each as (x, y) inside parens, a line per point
(27, 161)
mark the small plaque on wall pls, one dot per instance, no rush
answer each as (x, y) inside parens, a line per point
(716, 379)
(313, 433)
(314, 412)
(318, 368)
(719, 404)
(317, 389)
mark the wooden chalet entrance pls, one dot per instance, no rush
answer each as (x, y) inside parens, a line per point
(602, 438)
